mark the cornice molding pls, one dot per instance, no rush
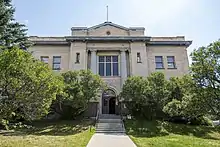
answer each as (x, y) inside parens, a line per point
(174, 43)
(108, 48)
(108, 38)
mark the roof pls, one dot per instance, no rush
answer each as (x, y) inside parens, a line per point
(174, 43)
(67, 39)
(107, 38)
(110, 24)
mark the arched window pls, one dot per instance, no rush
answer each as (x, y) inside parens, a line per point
(109, 93)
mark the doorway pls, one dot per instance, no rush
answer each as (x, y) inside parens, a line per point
(112, 105)
(108, 102)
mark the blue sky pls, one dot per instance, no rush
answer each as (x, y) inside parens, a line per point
(198, 20)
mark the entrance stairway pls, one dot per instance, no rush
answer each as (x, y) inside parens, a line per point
(109, 123)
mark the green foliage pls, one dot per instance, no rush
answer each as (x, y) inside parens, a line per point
(12, 33)
(202, 120)
(28, 86)
(155, 97)
(173, 108)
(205, 71)
(183, 99)
(80, 88)
(134, 93)
(165, 134)
(4, 124)
(145, 97)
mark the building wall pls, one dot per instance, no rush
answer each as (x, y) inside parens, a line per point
(179, 53)
(78, 47)
(138, 69)
(53, 50)
(144, 68)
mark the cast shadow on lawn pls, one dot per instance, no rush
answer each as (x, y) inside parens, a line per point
(59, 128)
(159, 128)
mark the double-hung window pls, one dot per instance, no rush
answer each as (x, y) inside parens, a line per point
(44, 59)
(56, 62)
(108, 65)
(171, 62)
(159, 62)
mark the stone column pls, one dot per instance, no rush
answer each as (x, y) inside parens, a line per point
(93, 61)
(123, 67)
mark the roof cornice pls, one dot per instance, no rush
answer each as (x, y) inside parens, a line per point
(105, 24)
(107, 38)
(46, 42)
(174, 43)
(66, 40)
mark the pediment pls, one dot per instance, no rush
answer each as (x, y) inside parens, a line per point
(108, 24)
(108, 29)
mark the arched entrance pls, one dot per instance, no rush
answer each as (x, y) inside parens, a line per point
(108, 102)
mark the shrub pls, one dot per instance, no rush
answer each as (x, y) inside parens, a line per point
(28, 86)
(202, 120)
(145, 97)
(80, 88)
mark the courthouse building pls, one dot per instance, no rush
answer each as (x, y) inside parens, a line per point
(114, 52)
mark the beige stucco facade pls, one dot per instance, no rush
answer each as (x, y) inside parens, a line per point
(136, 52)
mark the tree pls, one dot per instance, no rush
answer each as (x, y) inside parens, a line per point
(145, 97)
(159, 93)
(12, 33)
(28, 86)
(80, 88)
(184, 104)
(134, 93)
(205, 71)
(183, 98)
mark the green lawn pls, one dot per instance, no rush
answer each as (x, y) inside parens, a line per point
(50, 134)
(164, 134)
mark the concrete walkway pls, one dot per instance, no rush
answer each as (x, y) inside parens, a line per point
(110, 140)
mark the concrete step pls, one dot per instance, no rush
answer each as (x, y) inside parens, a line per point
(108, 124)
(109, 120)
(110, 131)
(119, 128)
(109, 127)
(109, 116)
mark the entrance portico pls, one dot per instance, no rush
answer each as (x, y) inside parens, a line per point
(109, 102)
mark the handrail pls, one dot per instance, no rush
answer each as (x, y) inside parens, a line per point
(97, 114)
(121, 116)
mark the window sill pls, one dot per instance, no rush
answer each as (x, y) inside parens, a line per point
(172, 68)
(160, 68)
(57, 69)
(110, 76)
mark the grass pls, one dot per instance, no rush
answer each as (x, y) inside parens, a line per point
(50, 134)
(165, 134)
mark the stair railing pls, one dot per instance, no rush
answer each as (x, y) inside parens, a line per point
(97, 114)
(122, 119)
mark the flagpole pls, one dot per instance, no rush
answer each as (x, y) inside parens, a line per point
(107, 13)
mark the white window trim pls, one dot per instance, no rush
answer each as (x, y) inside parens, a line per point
(119, 65)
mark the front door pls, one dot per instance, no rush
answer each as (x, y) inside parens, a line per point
(112, 106)
(108, 102)
(105, 104)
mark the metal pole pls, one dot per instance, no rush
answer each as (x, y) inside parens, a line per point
(107, 13)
